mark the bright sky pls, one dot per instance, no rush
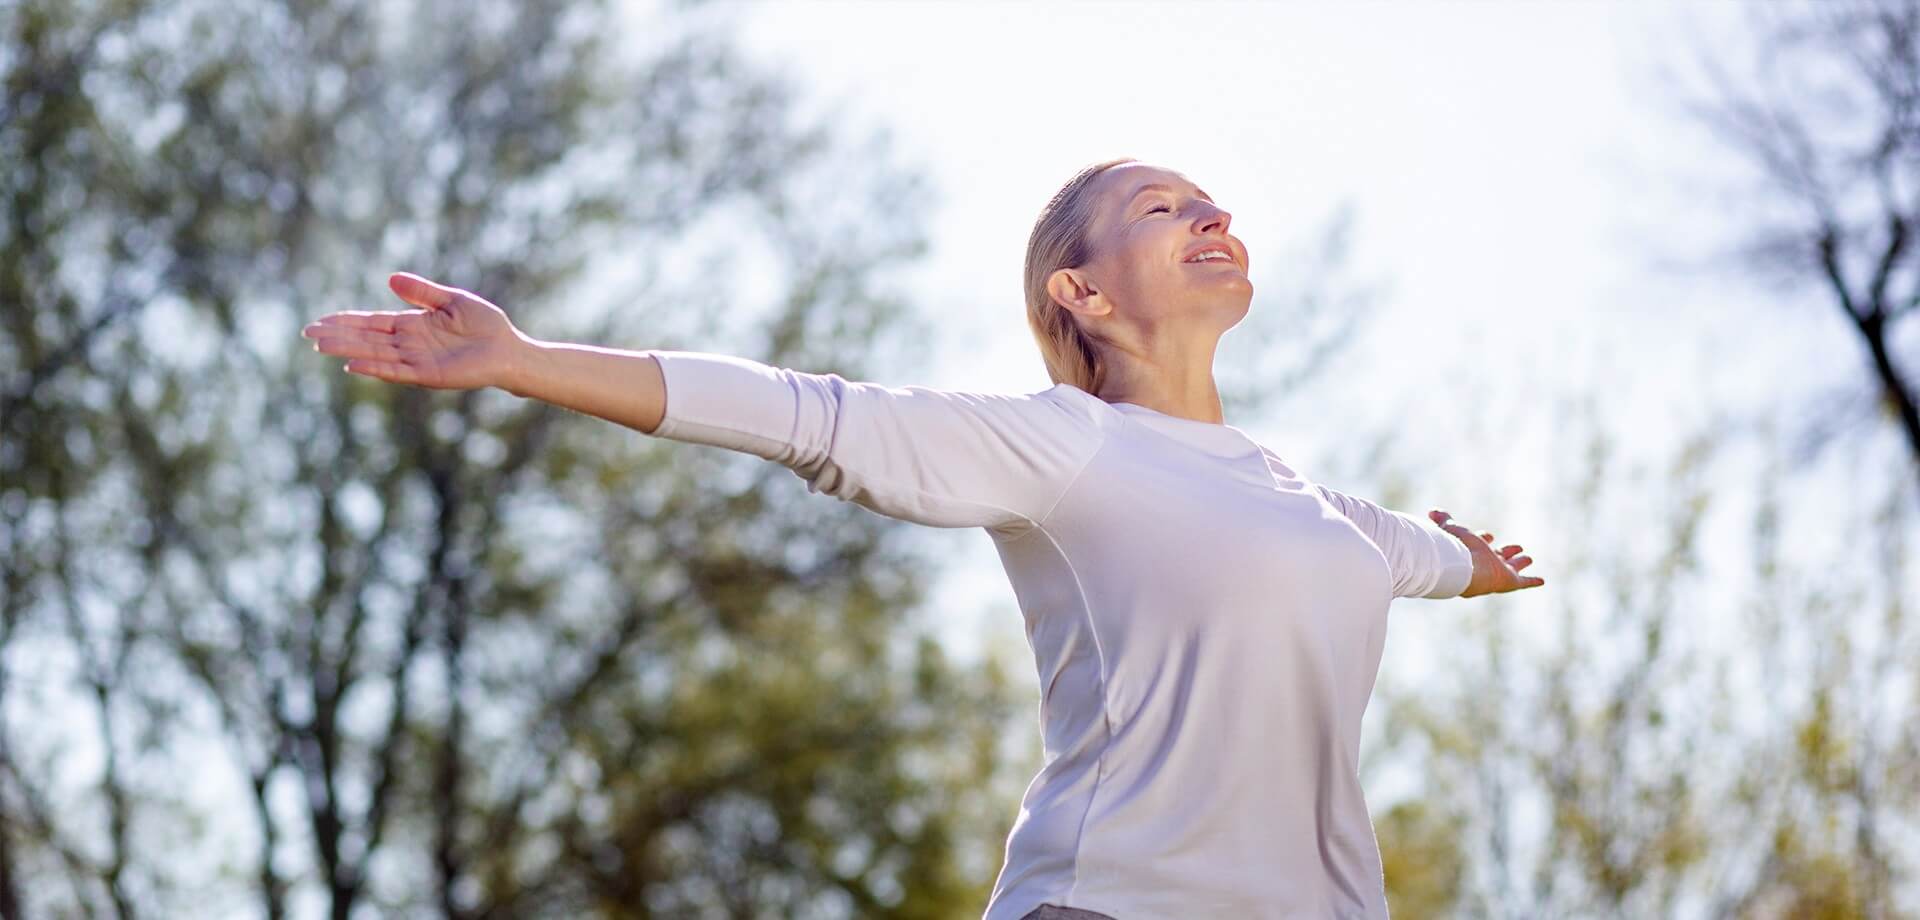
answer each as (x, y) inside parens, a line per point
(1520, 180)
(1512, 176)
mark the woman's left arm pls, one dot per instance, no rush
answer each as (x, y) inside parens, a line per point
(1438, 560)
(1423, 560)
(1494, 571)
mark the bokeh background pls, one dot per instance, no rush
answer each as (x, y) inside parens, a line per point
(1631, 284)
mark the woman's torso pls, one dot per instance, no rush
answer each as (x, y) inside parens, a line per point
(1206, 631)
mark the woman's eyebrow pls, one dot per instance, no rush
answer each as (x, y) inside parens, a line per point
(1166, 188)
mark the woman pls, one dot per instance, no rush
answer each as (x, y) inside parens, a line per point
(1206, 621)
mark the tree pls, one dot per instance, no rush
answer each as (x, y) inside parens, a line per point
(1829, 121)
(1694, 732)
(460, 654)
(1671, 737)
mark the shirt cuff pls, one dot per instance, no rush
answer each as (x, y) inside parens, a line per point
(1456, 570)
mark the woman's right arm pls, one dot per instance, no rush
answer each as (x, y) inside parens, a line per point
(460, 341)
(938, 457)
(944, 458)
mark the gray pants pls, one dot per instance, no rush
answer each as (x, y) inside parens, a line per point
(1056, 912)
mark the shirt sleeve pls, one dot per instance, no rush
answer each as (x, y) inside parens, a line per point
(942, 458)
(1426, 561)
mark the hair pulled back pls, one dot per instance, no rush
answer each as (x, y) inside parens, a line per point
(1060, 240)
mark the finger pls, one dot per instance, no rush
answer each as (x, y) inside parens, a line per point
(1460, 531)
(419, 291)
(372, 346)
(352, 319)
(383, 370)
(1487, 535)
(1445, 521)
(1519, 562)
(1509, 549)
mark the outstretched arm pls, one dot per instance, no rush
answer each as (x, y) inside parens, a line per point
(1450, 561)
(1425, 561)
(936, 457)
(459, 341)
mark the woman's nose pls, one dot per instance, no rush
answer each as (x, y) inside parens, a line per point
(1215, 218)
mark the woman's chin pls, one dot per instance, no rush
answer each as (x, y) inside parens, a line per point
(1231, 303)
(1234, 280)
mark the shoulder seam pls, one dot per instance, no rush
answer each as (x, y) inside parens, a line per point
(1106, 435)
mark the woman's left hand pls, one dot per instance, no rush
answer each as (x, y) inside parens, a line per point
(1494, 571)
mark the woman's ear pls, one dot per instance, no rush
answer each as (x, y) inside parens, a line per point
(1072, 288)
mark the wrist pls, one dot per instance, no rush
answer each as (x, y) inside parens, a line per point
(1477, 578)
(520, 371)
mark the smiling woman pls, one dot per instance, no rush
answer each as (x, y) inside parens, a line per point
(1110, 301)
(1206, 620)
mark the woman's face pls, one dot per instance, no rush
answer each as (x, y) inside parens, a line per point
(1148, 226)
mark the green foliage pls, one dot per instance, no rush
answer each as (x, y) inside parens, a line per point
(433, 651)
(1421, 854)
(1684, 745)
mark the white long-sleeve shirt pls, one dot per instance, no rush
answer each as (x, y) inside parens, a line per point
(1206, 624)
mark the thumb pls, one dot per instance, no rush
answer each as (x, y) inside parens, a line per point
(1445, 522)
(419, 291)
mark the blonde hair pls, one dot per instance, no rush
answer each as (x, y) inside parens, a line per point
(1059, 240)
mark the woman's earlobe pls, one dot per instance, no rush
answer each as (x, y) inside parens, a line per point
(1090, 306)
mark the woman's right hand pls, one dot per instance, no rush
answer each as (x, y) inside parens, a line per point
(458, 341)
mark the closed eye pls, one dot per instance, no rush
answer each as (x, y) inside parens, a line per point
(1160, 208)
